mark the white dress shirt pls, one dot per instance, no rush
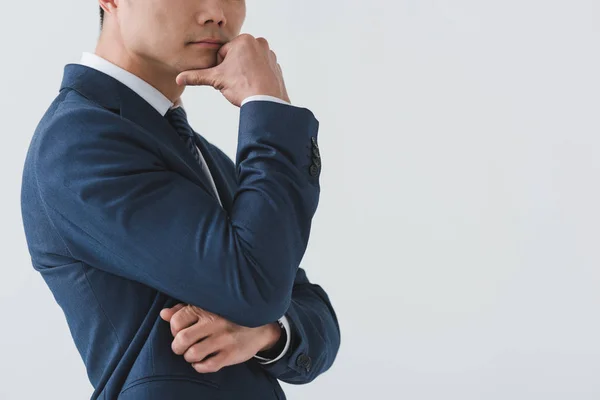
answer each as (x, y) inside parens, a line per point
(162, 104)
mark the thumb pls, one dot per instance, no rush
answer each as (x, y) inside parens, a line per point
(167, 313)
(200, 77)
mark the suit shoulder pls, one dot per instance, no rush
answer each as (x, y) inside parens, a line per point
(82, 139)
(76, 113)
(71, 118)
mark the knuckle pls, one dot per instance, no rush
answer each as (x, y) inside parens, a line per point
(193, 308)
(212, 318)
(175, 347)
(176, 324)
(190, 308)
(193, 312)
(246, 37)
(183, 336)
(195, 78)
(191, 354)
(201, 367)
(263, 41)
(211, 365)
(189, 79)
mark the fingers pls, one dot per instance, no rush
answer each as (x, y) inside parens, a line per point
(223, 50)
(220, 58)
(186, 337)
(201, 77)
(182, 319)
(167, 313)
(209, 76)
(252, 69)
(212, 364)
(263, 42)
(200, 350)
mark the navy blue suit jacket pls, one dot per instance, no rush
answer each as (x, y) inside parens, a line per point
(121, 222)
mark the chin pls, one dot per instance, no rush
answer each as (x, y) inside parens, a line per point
(201, 62)
(188, 60)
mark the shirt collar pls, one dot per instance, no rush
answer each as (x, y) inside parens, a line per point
(146, 91)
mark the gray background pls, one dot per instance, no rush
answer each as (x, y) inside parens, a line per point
(458, 229)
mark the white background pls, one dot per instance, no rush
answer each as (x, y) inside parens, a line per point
(458, 232)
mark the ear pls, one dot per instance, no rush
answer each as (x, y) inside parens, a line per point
(109, 6)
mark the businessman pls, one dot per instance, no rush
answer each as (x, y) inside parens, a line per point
(177, 269)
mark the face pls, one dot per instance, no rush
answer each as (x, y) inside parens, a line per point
(160, 32)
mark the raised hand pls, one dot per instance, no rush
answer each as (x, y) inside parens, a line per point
(247, 67)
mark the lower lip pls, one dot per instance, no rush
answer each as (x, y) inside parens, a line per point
(207, 45)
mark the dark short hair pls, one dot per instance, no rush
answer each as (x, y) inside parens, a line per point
(101, 17)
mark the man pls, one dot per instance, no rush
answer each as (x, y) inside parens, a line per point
(178, 270)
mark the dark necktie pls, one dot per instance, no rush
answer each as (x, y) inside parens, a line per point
(178, 118)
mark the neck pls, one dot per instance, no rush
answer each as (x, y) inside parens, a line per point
(110, 47)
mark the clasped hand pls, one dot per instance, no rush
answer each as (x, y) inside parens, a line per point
(209, 342)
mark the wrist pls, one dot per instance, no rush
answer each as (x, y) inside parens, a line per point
(273, 333)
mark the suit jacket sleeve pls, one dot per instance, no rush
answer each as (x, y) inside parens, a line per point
(314, 329)
(118, 208)
(315, 334)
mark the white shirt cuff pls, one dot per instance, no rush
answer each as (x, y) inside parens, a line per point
(264, 97)
(286, 325)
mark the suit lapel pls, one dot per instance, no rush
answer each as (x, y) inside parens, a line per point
(142, 113)
(113, 95)
(225, 187)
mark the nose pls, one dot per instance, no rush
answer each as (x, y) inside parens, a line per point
(212, 11)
